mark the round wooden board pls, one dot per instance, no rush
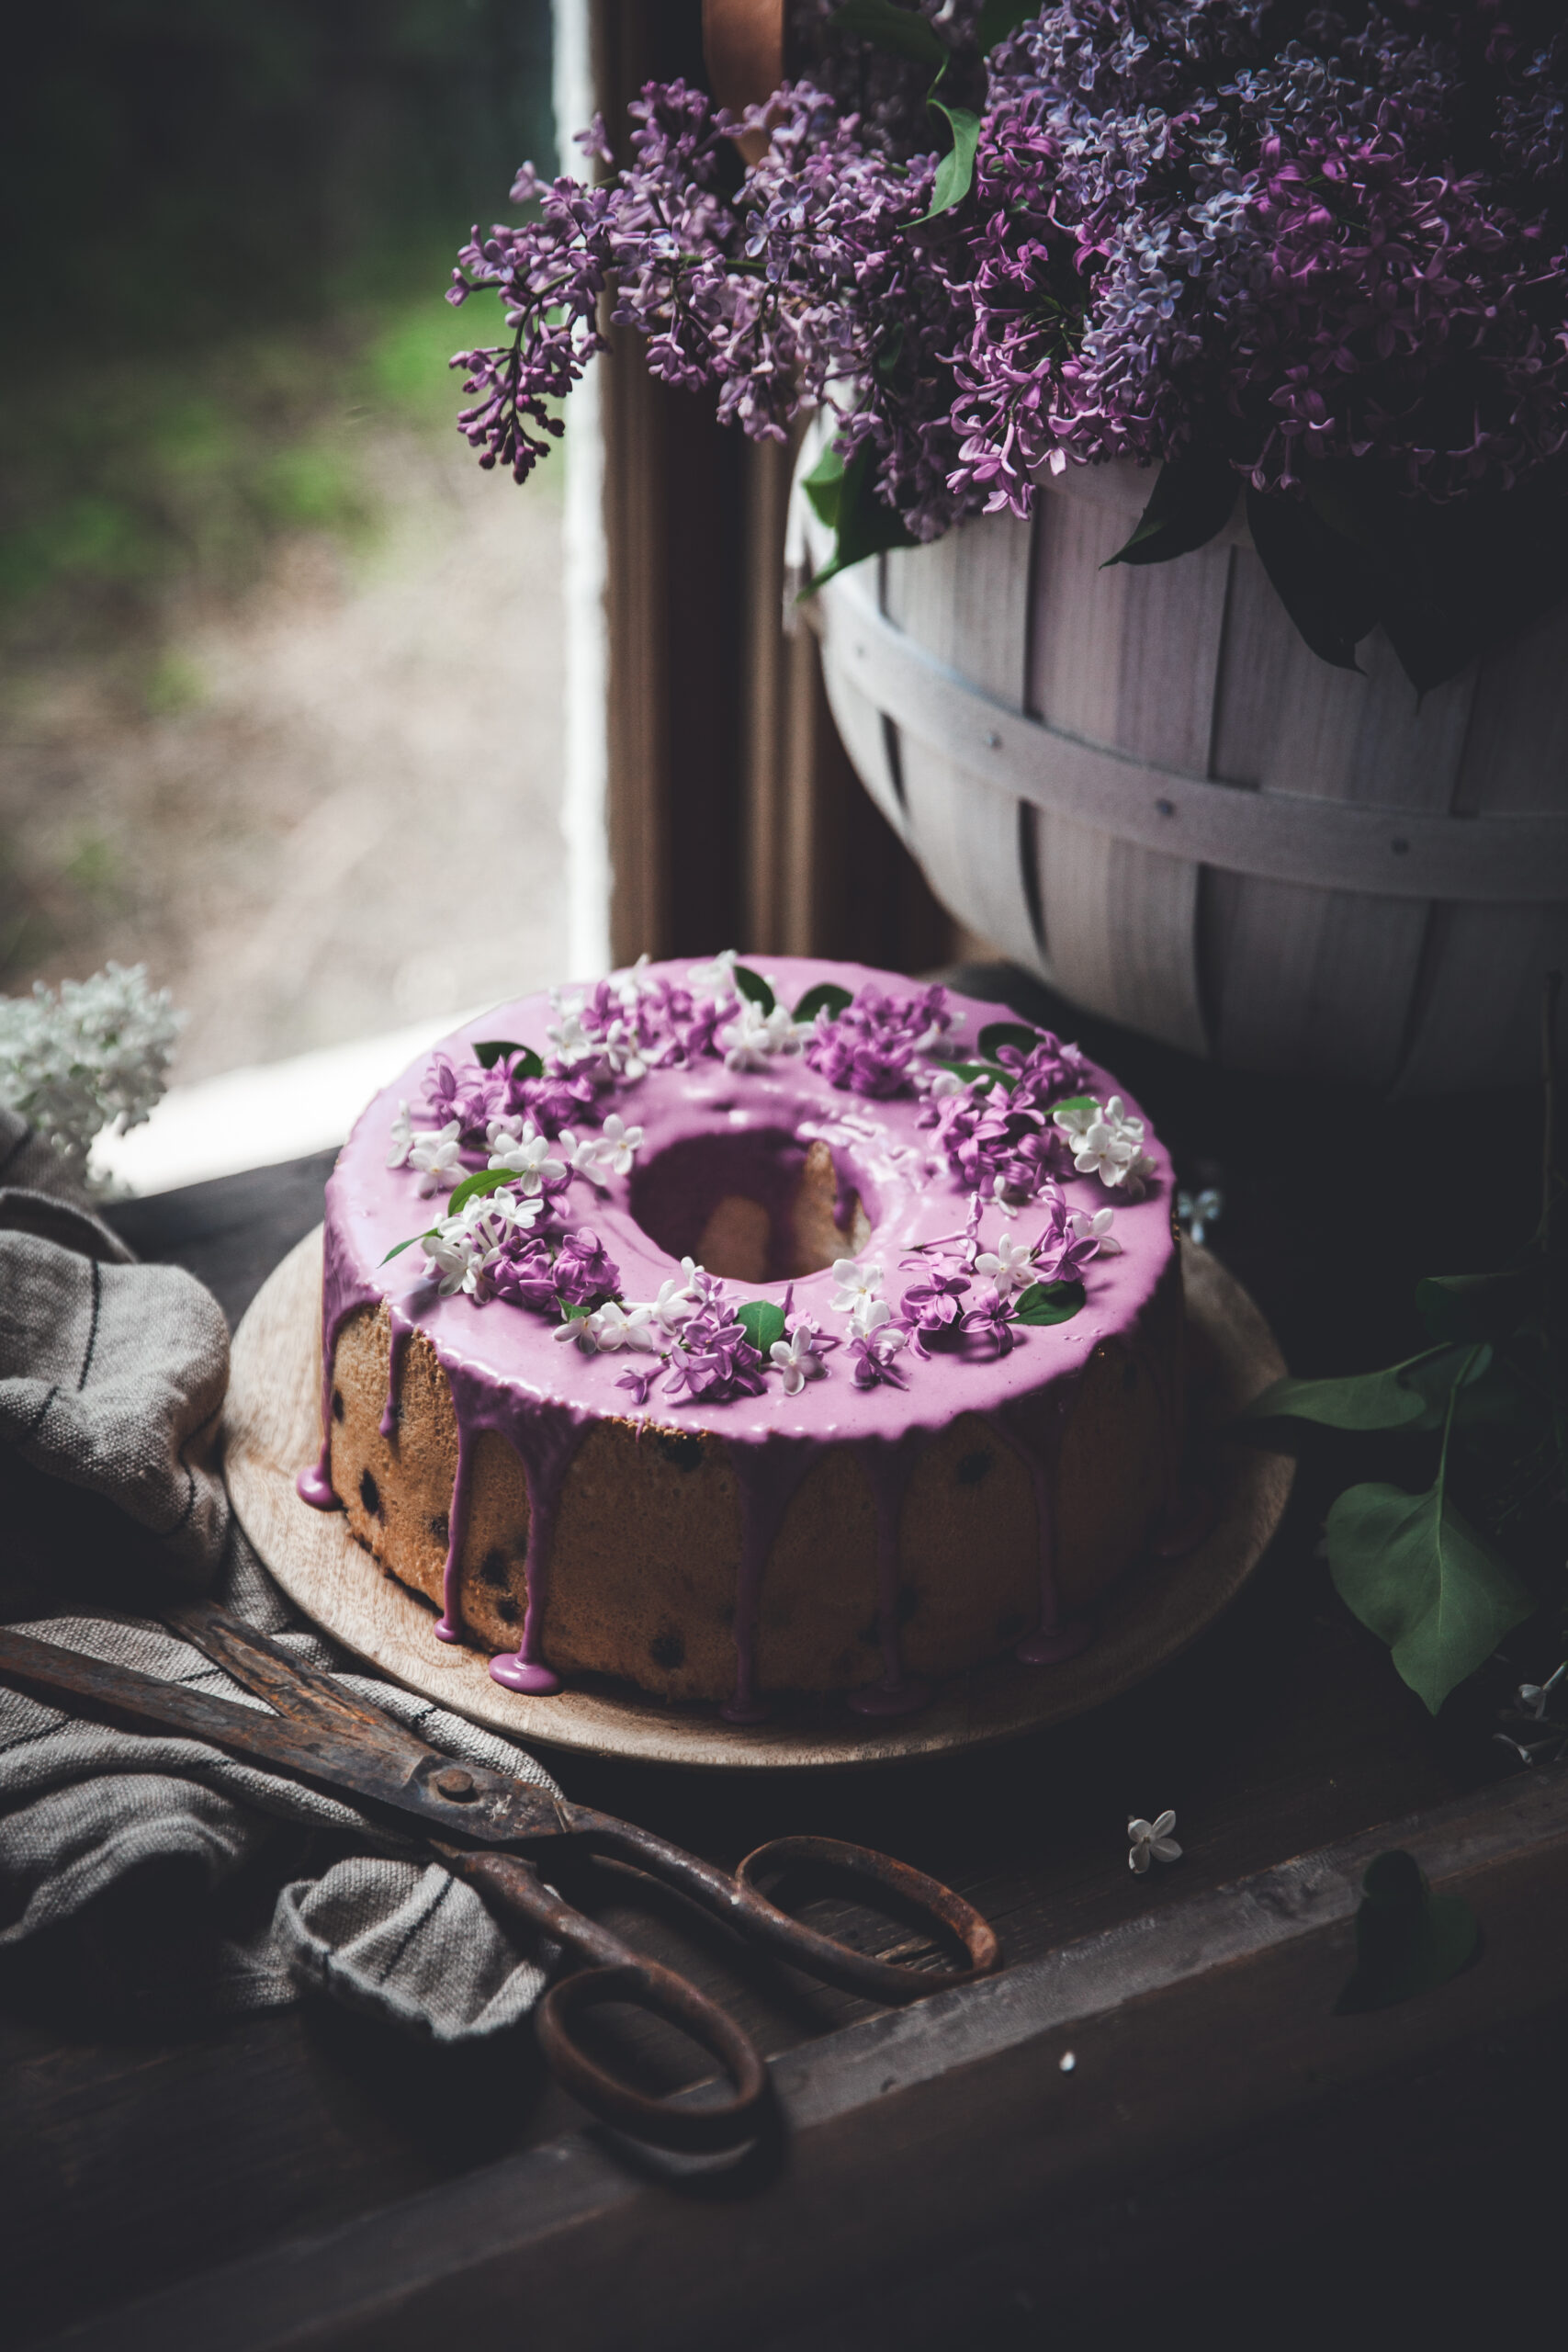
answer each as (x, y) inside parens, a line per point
(271, 1426)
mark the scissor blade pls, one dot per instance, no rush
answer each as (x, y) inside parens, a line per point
(377, 1762)
(296, 1690)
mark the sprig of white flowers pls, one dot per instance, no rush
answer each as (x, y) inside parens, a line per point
(95, 1055)
(1106, 1142)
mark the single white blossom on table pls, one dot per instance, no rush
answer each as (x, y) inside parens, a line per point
(797, 1359)
(95, 1055)
(613, 1326)
(437, 1157)
(609, 1153)
(531, 1159)
(677, 1300)
(402, 1138)
(716, 978)
(1009, 1264)
(869, 1314)
(1196, 1212)
(1096, 1227)
(753, 1037)
(1151, 1837)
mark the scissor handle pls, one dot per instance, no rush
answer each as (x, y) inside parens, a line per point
(618, 1974)
(837, 1963)
(644, 1985)
(740, 1900)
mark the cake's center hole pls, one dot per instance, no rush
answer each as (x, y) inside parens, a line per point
(752, 1208)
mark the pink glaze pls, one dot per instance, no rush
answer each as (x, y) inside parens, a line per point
(508, 1372)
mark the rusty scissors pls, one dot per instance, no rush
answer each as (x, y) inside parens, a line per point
(493, 1830)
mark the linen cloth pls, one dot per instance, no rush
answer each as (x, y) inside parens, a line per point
(112, 1379)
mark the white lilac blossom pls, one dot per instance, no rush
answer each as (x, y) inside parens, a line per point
(95, 1055)
(678, 1300)
(608, 1153)
(797, 1357)
(402, 1138)
(1096, 1226)
(1146, 1839)
(438, 1158)
(716, 978)
(611, 1327)
(753, 1037)
(532, 1161)
(1007, 1264)
(1107, 1143)
(859, 1291)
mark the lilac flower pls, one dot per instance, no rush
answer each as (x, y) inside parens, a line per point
(870, 1047)
(991, 1316)
(584, 1269)
(875, 1352)
(1287, 235)
(930, 1310)
(523, 1274)
(713, 1355)
(640, 1382)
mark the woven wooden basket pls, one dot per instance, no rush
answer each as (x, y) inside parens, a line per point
(1142, 785)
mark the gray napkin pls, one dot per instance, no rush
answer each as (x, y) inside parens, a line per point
(112, 1377)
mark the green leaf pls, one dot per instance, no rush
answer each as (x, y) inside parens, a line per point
(1327, 583)
(1473, 1306)
(398, 1249)
(823, 483)
(527, 1064)
(483, 1179)
(1192, 499)
(998, 1033)
(902, 31)
(1408, 1939)
(751, 984)
(865, 525)
(1414, 1394)
(956, 173)
(970, 1071)
(764, 1323)
(1000, 18)
(1421, 1579)
(1049, 1302)
(577, 1308)
(824, 998)
(1074, 1102)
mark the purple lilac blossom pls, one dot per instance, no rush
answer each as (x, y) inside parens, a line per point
(584, 1270)
(1283, 234)
(524, 1274)
(874, 1354)
(869, 1048)
(931, 1308)
(713, 1356)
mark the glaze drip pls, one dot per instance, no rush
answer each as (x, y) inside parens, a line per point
(545, 1444)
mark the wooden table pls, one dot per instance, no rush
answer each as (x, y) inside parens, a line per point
(1219, 2143)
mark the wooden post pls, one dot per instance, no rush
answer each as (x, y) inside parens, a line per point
(734, 816)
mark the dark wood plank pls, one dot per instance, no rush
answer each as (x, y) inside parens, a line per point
(1192, 2035)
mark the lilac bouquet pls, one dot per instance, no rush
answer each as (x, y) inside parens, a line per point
(1315, 258)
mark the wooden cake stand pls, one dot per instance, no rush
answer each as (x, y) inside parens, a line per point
(271, 1426)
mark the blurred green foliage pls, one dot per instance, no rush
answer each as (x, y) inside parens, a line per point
(233, 229)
